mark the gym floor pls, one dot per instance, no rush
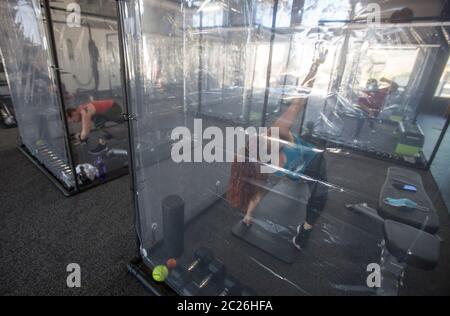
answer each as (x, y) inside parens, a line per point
(41, 232)
(341, 246)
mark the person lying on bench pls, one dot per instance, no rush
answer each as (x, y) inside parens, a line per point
(244, 189)
(98, 112)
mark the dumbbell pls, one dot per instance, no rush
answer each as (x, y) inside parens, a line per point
(232, 287)
(203, 257)
(216, 271)
(179, 278)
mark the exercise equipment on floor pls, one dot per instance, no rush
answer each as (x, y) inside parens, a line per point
(205, 272)
(409, 222)
(402, 246)
(416, 217)
(203, 256)
(173, 223)
(215, 271)
(7, 116)
(207, 276)
(272, 231)
(98, 156)
(411, 139)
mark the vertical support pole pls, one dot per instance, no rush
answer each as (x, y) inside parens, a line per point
(224, 59)
(302, 121)
(124, 71)
(343, 54)
(269, 66)
(248, 98)
(438, 144)
(58, 82)
(287, 65)
(200, 65)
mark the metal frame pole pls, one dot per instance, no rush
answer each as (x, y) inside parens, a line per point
(58, 82)
(125, 71)
(269, 66)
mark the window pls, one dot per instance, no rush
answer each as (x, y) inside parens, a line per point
(394, 64)
(209, 14)
(443, 89)
(264, 13)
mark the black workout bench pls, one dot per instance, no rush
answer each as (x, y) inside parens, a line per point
(408, 234)
(420, 219)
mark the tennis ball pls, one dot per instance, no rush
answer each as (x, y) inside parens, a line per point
(160, 273)
(171, 263)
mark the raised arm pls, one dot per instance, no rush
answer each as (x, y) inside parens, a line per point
(393, 86)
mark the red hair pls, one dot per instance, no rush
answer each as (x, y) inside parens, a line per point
(245, 181)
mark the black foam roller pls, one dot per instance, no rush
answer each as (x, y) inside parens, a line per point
(173, 225)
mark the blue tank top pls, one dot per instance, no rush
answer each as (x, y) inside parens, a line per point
(298, 156)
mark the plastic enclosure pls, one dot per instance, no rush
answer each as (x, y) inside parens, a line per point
(32, 85)
(242, 64)
(50, 74)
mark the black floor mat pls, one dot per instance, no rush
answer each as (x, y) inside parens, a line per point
(266, 241)
(276, 218)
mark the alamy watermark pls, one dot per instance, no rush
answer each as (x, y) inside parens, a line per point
(374, 278)
(73, 19)
(74, 278)
(374, 14)
(262, 144)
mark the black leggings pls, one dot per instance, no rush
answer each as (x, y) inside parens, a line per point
(360, 124)
(317, 170)
(114, 114)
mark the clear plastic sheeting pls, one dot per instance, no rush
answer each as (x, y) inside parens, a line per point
(32, 85)
(67, 87)
(440, 170)
(321, 219)
(6, 108)
(89, 58)
(374, 100)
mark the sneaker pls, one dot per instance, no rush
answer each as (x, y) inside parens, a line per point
(3, 114)
(10, 121)
(98, 150)
(302, 237)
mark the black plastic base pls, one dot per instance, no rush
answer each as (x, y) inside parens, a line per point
(5, 126)
(46, 172)
(61, 187)
(144, 275)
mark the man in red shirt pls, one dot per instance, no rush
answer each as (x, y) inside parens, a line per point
(98, 112)
(371, 102)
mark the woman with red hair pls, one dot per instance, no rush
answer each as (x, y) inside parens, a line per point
(297, 159)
